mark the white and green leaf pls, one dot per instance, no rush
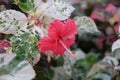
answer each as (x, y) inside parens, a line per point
(70, 61)
(6, 58)
(12, 22)
(60, 74)
(23, 71)
(27, 52)
(102, 76)
(86, 24)
(96, 68)
(58, 9)
(9, 71)
(40, 7)
(116, 48)
(111, 60)
(116, 45)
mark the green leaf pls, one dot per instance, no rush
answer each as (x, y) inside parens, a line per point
(60, 60)
(91, 58)
(25, 46)
(50, 74)
(77, 75)
(85, 64)
(118, 75)
(26, 5)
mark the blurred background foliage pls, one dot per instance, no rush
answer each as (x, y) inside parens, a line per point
(105, 13)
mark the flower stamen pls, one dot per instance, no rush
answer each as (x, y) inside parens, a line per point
(71, 53)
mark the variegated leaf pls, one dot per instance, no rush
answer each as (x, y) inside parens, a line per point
(86, 24)
(6, 58)
(102, 76)
(60, 74)
(70, 61)
(58, 9)
(40, 7)
(37, 29)
(12, 22)
(23, 71)
(117, 53)
(111, 60)
(116, 45)
(95, 69)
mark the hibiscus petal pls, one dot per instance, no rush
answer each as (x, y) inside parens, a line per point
(70, 29)
(61, 35)
(55, 29)
(46, 43)
(59, 49)
(69, 42)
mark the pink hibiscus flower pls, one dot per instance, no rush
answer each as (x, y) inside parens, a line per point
(61, 35)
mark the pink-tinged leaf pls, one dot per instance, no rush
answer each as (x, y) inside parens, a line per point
(110, 8)
(116, 28)
(76, 1)
(116, 17)
(4, 1)
(96, 15)
(2, 51)
(5, 43)
(99, 42)
(119, 31)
